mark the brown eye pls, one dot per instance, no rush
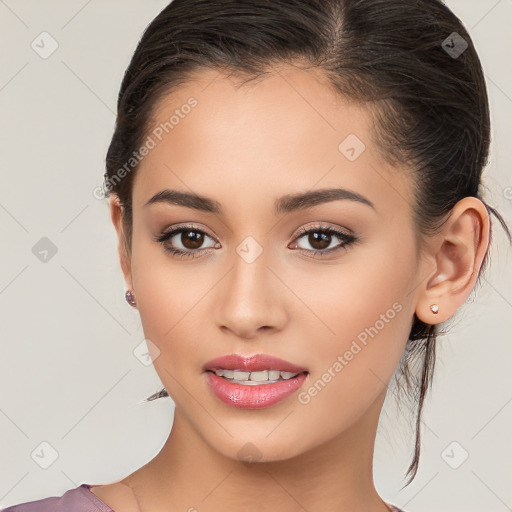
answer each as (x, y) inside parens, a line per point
(192, 239)
(185, 241)
(320, 239)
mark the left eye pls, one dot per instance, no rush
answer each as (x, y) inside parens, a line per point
(321, 239)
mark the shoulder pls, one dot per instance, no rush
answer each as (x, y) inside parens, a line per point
(78, 499)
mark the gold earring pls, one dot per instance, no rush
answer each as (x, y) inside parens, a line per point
(434, 308)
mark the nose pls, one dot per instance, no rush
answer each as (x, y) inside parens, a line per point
(251, 299)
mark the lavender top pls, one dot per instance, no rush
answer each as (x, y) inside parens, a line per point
(79, 499)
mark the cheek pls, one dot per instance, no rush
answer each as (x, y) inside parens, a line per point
(169, 301)
(367, 288)
(366, 312)
(350, 370)
(171, 312)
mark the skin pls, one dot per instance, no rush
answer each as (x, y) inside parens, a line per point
(245, 147)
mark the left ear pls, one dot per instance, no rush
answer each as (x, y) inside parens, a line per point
(454, 257)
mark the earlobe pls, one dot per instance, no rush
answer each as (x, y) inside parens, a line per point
(457, 255)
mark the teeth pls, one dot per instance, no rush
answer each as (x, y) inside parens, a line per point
(241, 375)
(254, 378)
(259, 376)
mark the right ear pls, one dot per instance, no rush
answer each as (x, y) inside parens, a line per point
(116, 214)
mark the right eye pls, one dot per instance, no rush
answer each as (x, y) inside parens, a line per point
(185, 241)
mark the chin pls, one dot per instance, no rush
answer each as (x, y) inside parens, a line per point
(260, 448)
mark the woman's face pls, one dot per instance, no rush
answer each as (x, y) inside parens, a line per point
(251, 282)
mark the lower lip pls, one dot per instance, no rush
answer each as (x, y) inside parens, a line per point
(253, 397)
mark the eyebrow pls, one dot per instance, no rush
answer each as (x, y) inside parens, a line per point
(286, 204)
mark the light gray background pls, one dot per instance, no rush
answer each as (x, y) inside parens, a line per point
(68, 375)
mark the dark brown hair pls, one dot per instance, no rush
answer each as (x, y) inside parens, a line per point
(431, 107)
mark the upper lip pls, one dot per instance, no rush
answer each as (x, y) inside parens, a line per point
(253, 363)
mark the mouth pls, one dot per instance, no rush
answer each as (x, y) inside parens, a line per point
(253, 382)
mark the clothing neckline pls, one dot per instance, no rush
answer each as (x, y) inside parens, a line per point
(107, 508)
(95, 499)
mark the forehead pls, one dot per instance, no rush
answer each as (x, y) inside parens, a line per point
(243, 142)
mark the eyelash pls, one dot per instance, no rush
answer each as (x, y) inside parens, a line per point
(347, 240)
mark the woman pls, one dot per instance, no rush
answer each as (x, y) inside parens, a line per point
(297, 209)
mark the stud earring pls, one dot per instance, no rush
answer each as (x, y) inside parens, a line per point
(434, 308)
(130, 298)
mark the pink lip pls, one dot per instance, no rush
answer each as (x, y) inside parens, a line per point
(252, 363)
(252, 397)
